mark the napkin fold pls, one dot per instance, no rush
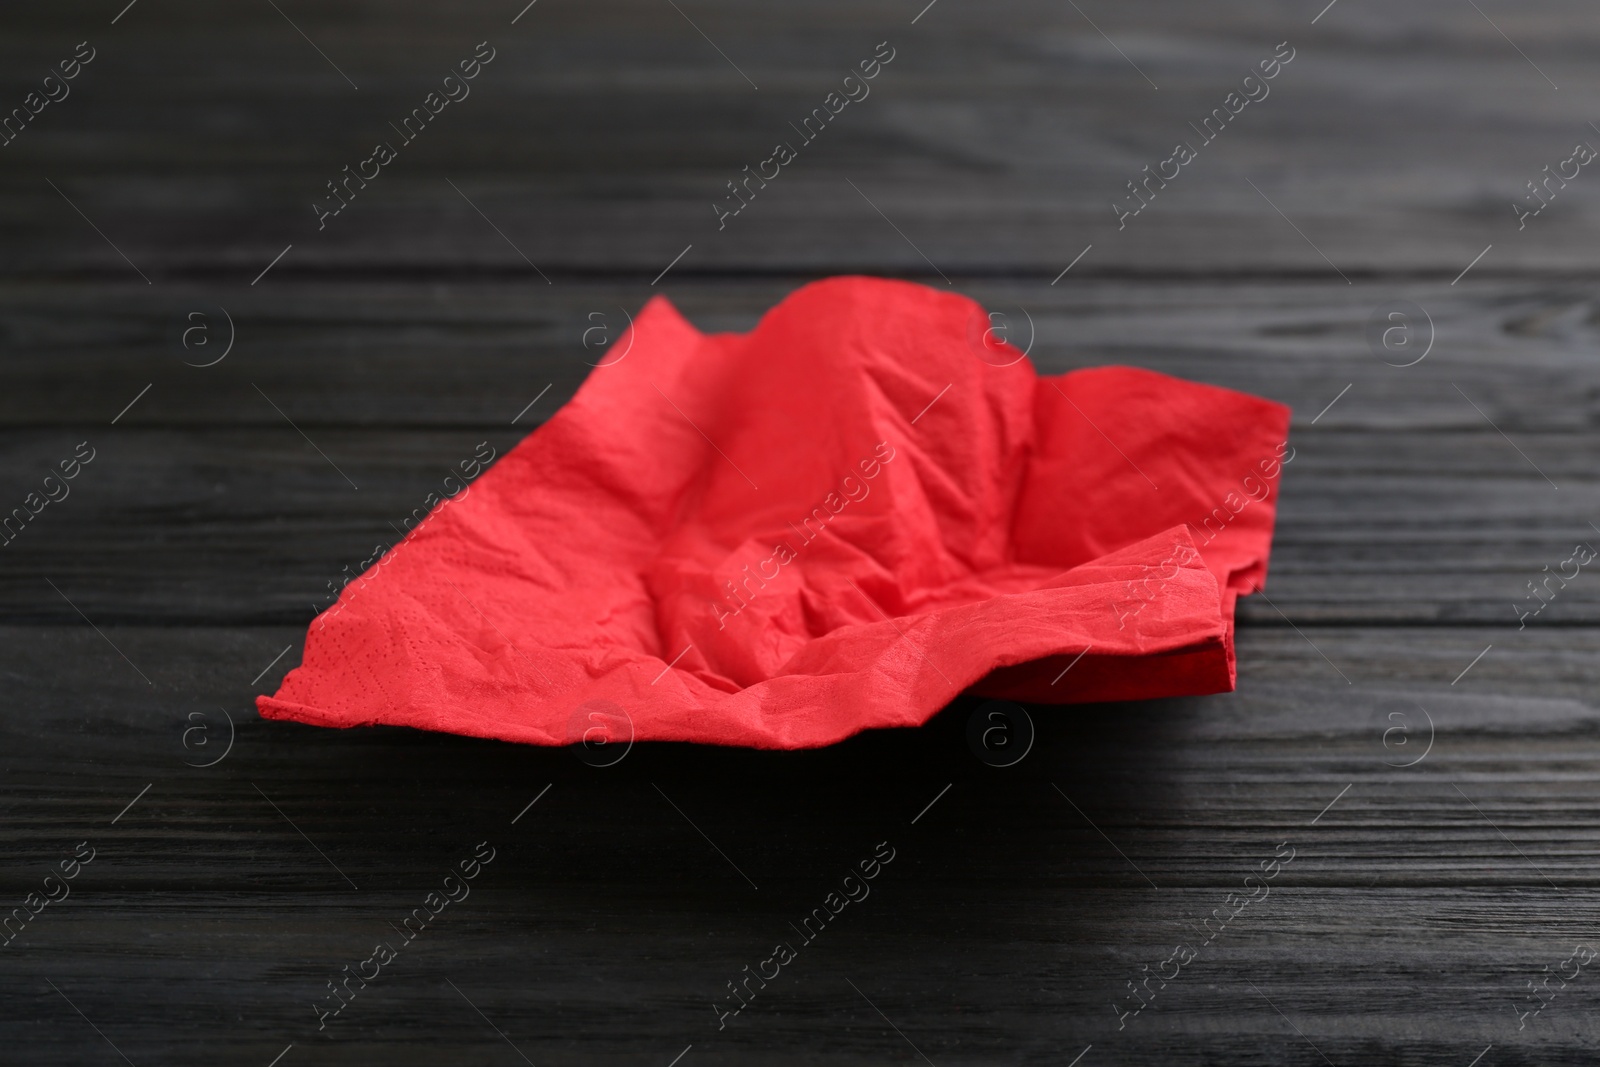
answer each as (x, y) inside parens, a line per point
(839, 521)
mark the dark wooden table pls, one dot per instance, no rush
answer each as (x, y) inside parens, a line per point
(1431, 764)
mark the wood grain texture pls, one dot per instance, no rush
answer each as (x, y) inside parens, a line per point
(463, 351)
(997, 139)
(1004, 928)
(1432, 765)
(251, 524)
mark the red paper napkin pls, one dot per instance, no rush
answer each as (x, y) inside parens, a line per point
(839, 521)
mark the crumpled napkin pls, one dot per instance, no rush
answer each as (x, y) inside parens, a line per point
(838, 521)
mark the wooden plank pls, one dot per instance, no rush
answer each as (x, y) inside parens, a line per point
(475, 352)
(253, 524)
(1005, 927)
(994, 141)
